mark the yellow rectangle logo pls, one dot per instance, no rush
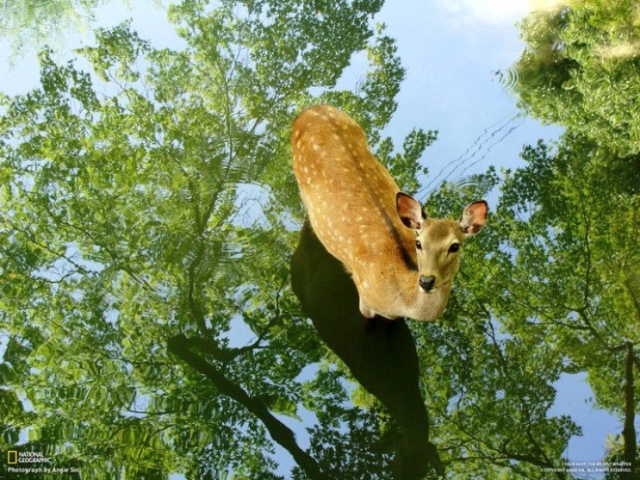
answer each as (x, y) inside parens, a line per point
(12, 457)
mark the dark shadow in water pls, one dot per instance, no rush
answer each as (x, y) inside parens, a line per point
(381, 354)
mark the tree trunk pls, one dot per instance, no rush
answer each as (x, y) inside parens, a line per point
(629, 431)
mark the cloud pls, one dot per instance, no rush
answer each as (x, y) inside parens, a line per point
(485, 12)
(547, 5)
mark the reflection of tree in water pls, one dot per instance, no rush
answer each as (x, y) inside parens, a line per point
(580, 70)
(131, 264)
(40, 22)
(124, 232)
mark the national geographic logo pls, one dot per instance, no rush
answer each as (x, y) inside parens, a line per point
(33, 462)
(16, 457)
(27, 462)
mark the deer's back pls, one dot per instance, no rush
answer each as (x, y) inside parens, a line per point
(350, 197)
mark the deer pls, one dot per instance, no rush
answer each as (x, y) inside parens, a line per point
(402, 263)
(380, 353)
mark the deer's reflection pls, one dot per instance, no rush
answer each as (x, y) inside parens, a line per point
(380, 353)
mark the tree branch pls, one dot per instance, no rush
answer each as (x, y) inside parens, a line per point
(179, 346)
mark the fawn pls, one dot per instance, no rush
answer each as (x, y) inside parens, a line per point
(402, 263)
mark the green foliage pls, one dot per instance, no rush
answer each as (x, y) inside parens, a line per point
(615, 458)
(488, 391)
(405, 167)
(38, 22)
(569, 259)
(580, 69)
(151, 199)
(574, 210)
(148, 216)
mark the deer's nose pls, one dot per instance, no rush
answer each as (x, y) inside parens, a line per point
(427, 283)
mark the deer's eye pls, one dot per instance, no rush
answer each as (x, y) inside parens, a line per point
(418, 244)
(455, 247)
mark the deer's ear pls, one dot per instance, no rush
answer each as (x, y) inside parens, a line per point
(409, 211)
(474, 217)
